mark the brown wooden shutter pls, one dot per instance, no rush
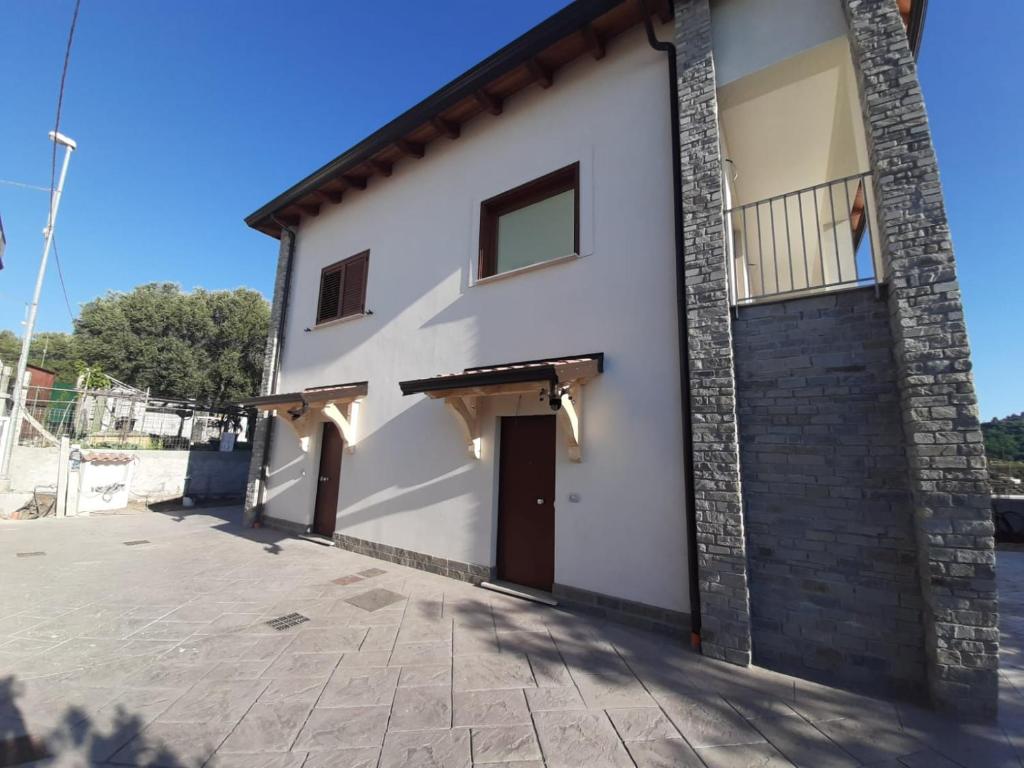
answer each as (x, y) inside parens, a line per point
(330, 294)
(353, 292)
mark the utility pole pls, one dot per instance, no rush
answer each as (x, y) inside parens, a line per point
(18, 401)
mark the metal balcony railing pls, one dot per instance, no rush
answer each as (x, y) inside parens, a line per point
(814, 240)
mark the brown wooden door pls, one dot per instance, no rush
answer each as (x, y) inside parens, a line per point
(328, 479)
(526, 501)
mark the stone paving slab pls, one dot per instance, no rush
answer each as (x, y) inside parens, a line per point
(176, 666)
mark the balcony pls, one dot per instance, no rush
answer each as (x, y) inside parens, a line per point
(814, 240)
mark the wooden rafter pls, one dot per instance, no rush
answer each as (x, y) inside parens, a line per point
(489, 102)
(382, 167)
(410, 148)
(333, 196)
(313, 209)
(446, 127)
(355, 182)
(541, 74)
(595, 43)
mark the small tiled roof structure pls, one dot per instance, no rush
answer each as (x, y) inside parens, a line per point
(107, 457)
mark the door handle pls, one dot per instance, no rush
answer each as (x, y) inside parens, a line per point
(540, 501)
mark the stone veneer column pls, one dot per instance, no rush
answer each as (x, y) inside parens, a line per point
(948, 475)
(264, 431)
(721, 550)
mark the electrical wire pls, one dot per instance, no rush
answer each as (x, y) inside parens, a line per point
(60, 99)
(53, 155)
(24, 186)
(60, 274)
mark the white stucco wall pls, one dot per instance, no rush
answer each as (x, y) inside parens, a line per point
(748, 35)
(411, 482)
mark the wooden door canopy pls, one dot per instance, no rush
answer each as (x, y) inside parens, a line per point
(565, 376)
(302, 411)
(583, 28)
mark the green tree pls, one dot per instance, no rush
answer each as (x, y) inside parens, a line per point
(53, 350)
(206, 345)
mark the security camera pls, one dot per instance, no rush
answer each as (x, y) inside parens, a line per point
(554, 401)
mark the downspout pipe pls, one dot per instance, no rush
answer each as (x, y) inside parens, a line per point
(689, 499)
(276, 364)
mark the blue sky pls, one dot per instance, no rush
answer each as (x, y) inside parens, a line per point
(190, 114)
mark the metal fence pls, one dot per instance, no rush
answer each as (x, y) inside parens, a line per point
(813, 240)
(104, 418)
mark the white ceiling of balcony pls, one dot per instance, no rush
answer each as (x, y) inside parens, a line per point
(793, 124)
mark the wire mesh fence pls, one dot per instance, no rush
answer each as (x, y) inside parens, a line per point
(112, 419)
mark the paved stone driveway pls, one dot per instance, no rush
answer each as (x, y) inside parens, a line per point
(158, 654)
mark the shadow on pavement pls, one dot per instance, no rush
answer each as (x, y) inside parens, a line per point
(33, 732)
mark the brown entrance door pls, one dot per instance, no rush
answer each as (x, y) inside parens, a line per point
(328, 479)
(526, 501)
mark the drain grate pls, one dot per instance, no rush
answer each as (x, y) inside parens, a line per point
(31, 554)
(136, 542)
(286, 622)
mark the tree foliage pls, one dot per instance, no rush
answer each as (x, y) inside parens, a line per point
(53, 350)
(206, 345)
(1004, 438)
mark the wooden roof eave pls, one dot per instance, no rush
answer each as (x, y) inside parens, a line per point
(585, 25)
(301, 411)
(564, 379)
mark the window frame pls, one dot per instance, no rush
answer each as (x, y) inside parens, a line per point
(341, 266)
(537, 190)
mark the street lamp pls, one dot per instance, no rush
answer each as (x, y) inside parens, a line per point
(17, 404)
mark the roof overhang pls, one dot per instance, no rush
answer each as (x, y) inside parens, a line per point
(303, 410)
(311, 396)
(585, 26)
(561, 379)
(913, 13)
(509, 377)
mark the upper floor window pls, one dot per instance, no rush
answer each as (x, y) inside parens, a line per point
(535, 222)
(343, 288)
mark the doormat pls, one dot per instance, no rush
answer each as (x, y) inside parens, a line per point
(369, 573)
(287, 621)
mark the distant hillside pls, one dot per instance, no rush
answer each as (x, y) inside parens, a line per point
(1004, 438)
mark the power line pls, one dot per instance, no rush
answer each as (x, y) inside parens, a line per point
(53, 155)
(25, 186)
(60, 274)
(60, 99)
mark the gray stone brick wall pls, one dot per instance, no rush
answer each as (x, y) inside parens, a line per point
(636, 614)
(264, 432)
(947, 469)
(834, 590)
(453, 569)
(721, 557)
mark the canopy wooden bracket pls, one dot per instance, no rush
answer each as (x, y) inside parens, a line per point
(465, 411)
(570, 415)
(347, 425)
(300, 426)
